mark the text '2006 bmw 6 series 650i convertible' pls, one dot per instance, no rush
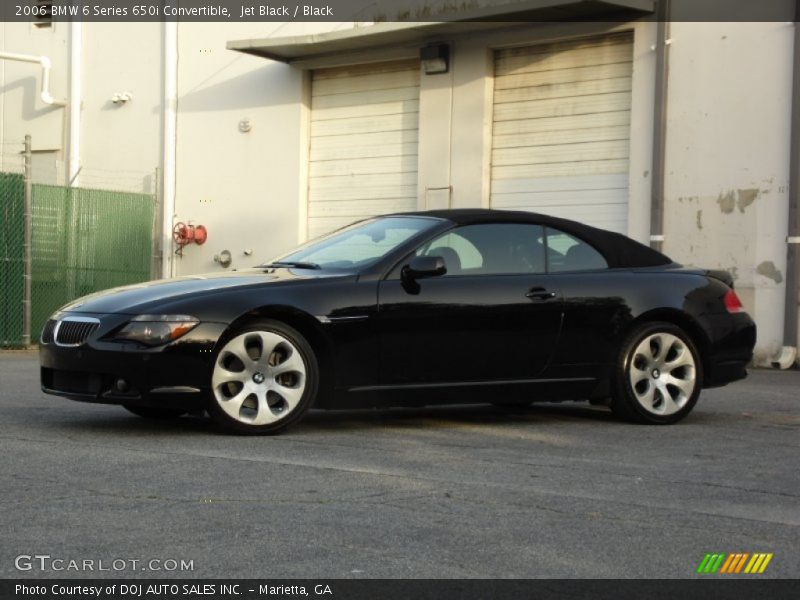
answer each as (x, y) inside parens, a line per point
(455, 306)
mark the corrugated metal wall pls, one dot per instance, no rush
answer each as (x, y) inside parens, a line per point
(363, 149)
(561, 129)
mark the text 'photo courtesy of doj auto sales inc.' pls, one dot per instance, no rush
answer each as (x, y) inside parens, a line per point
(168, 590)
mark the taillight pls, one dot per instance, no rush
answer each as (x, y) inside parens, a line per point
(732, 302)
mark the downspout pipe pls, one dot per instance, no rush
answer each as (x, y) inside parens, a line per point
(46, 65)
(788, 355)
(170, 125)
(75, 85)
(660, 126)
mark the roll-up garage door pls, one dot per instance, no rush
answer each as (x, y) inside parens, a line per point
(363, 151)
(561, 128)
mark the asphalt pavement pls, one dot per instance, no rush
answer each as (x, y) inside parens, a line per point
(557, 490)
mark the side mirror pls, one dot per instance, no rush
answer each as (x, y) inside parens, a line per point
(425, 266)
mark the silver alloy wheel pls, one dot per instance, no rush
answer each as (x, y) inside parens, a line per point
(259, 377)
(662, 373)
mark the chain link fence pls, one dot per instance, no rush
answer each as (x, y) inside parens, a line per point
(11, 257)
(85, 241)
(81, 241)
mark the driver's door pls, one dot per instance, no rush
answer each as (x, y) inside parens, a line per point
(494, 316)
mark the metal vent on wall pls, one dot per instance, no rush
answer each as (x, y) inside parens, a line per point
(44, 14)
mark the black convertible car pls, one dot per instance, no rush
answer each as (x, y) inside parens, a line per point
(457, 306)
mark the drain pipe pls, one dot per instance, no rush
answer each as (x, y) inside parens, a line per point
(660, 127)
(788, 355)
(75, 85)
(46, 65)
(170, 124)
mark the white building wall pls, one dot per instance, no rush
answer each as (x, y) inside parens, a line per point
(244, 187)
(21, 108)
(120, 143)
(727, 160)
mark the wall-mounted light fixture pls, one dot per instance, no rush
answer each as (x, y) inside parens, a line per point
(435, 59)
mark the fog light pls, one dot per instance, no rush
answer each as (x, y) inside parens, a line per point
(121, 386)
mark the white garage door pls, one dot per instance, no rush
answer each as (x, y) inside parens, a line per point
(561, 129)
(363, 153)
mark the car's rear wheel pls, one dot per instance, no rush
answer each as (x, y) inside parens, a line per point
(153, 412)
(658, 376)
(265, 377)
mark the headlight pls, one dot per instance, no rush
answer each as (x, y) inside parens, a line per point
(154, 330)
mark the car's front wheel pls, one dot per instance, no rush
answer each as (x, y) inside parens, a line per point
(265, 377)
(658, 376)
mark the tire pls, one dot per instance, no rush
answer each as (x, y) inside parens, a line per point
(264, 378)
(153, 412)
(658, 375)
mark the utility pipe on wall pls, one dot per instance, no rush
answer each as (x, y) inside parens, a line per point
(660, 127)
(75, 84)
(788, 355)
(46, 65)
(170, 123)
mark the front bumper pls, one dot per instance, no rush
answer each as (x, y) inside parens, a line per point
(176, 375)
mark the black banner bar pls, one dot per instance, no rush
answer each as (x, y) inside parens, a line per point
(717, 588)
(365, 11)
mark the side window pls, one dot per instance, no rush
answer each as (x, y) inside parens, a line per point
(568, 253)
(458, 252)
(490, 249)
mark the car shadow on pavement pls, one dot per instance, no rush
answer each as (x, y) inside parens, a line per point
(442, 417)
(125, 423)
(452, 415)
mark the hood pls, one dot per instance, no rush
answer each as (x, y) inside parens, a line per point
(131, 299)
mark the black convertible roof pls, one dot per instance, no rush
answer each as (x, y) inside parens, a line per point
(619, 251)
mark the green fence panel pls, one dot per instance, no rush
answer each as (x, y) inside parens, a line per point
(12, 202)
(84, 241)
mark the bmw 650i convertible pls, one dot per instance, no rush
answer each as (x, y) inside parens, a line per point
(457, 306)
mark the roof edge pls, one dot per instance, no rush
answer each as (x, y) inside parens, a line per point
(302, 47)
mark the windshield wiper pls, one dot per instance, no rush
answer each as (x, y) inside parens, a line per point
(292, 263)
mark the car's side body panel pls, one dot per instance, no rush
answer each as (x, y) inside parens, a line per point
(600, 308)
(481, 328)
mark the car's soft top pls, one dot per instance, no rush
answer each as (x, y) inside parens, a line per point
(619, 251)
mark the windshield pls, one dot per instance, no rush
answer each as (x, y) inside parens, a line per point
(358, 245)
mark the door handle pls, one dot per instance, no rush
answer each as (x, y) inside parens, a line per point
(539, 293)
